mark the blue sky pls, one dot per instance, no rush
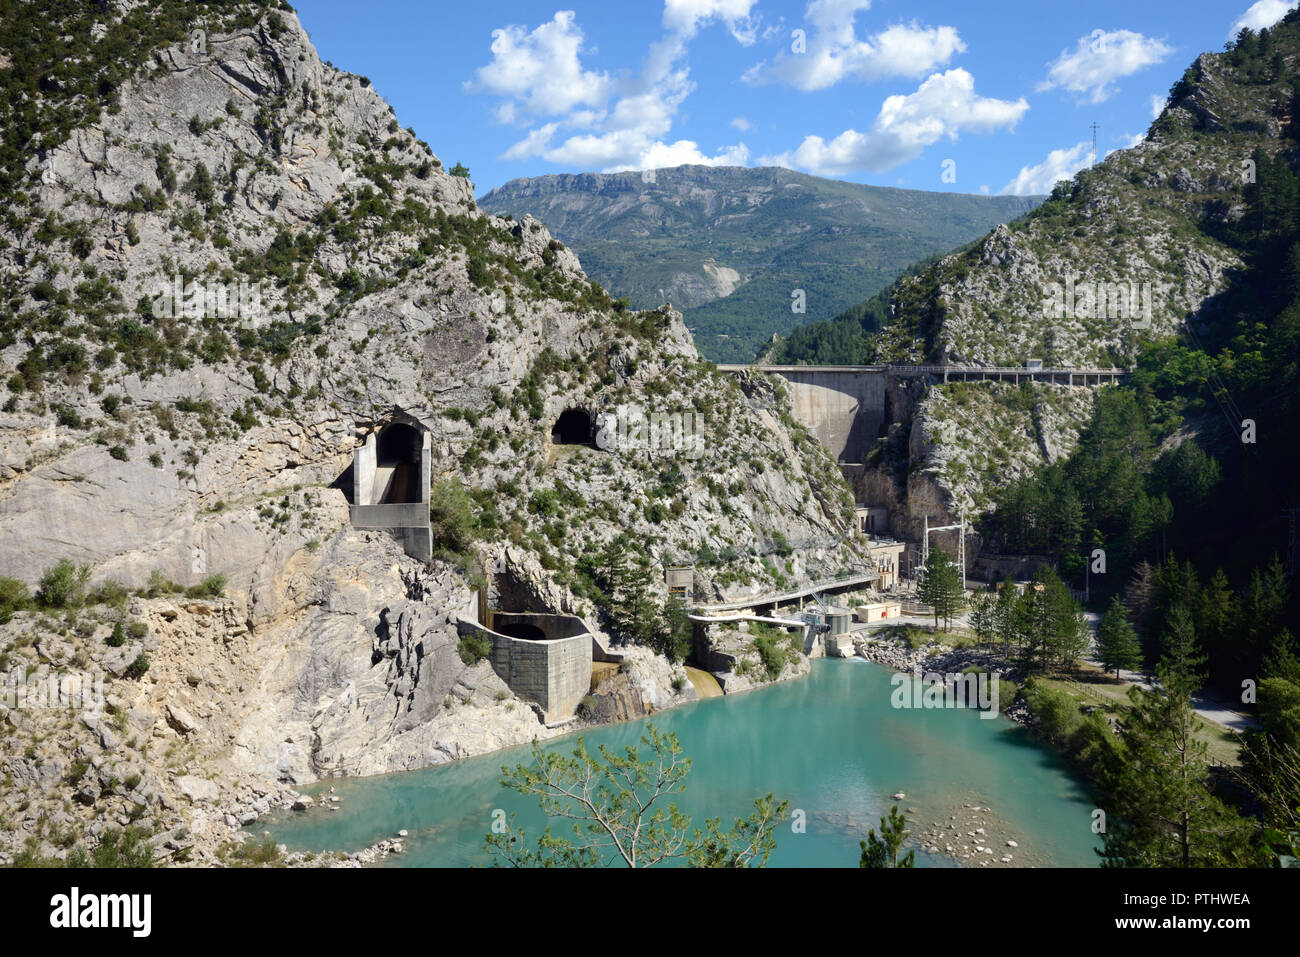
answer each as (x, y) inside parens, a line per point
(970, 96)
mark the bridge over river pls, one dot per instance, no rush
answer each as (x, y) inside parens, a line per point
(849, 582)
(846, 406)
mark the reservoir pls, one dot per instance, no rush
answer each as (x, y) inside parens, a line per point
(831, 744)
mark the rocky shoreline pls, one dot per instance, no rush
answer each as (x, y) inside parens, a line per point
(936, 657)
(966, 835)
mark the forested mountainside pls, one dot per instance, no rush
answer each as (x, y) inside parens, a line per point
(1171, 495)
(172, 469)
(729, 245)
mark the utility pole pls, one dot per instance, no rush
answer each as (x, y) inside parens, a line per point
(960, 528)
(1094, 142)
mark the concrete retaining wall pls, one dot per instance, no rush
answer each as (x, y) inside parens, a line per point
(555, 673)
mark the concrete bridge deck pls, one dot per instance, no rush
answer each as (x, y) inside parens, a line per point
(1085, 375)
(829, 584)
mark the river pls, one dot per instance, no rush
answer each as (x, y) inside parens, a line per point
(831, 744)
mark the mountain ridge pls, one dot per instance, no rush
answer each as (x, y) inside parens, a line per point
(175, 483)
(730, 245)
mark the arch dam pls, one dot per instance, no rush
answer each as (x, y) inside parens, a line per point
(846, 406)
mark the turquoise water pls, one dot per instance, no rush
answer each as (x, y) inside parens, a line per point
(830, 743)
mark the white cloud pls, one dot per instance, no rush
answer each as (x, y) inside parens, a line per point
(596, 121)
(1263, 13)
(742, 124)
(686, 17)
(1060, 164)
(541, 72)
(687, 152)
(1101, 58)
(834, 53)
(984, 189)
(1158, 101)
(945, 105)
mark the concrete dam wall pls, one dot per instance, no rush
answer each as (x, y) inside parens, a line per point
(845, 410)
(847, 407)
(843, 406)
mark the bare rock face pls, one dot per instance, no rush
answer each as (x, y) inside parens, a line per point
(643, 684)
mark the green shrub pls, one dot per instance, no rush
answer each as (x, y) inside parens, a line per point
(160, 585)
(1057, 713)
(118, 638)
(137, 629)
(63, 586)
(14, 596)
(1008, 691)
(452, 511)
(474, 648)
(770, 651)
(256, 853)
(212, 587)
(112, 593)
(138, 668)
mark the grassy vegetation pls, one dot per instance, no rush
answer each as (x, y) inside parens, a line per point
(1089, 687)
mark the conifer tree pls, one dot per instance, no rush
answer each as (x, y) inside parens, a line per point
(883, 851)
(941, 587)
(1117, 643)
(1163, 813)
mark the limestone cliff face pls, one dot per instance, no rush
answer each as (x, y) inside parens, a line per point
(156, 446)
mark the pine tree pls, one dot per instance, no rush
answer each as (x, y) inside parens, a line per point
(1183, 656)
(674, 639)
(1263, 607)
(941, 587)
(1281, 660)
(983, 618)
(1139, 594)
(883, 851)
(1006, 614)
(1032, 626)
(1054, 627)
(1163, 813)
(1216, 616)
(634, 613)
(1117, 642)
(611, 565)
(1270, 760)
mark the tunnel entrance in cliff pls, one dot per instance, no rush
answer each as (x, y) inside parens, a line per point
(397, 464)
(522, 630)
(573, 427)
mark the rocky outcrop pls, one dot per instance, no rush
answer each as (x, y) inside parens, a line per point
(198, 466)
(1146, 223)
(643, 684)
